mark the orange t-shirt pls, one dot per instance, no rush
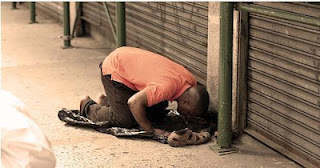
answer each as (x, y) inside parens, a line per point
(161, 78)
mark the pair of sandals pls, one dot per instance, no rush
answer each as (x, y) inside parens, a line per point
(187, 137)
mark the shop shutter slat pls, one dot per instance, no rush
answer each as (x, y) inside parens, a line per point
(284, 81)
(177, 30)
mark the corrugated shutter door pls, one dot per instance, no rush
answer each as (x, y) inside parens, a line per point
(284, 80)
(177, 30)
(51, 9)
(94, 14)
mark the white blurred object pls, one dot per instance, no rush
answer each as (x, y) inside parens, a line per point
(23, 145)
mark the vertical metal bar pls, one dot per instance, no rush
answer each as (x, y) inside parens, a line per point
(76, 19)
(225, 77)
(32, 12)
(14, 5)
(121, 24)
(242, 71)
(105, 5)
(66, 22)
(82, 29)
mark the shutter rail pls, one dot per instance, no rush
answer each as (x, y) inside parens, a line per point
(279, 14)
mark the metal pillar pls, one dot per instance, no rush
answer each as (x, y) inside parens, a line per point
(14, 5)
(225, 81)
(225, 78)
(66, 23)
(121, 24)
(32, 12)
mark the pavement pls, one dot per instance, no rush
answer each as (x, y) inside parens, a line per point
(47, 78)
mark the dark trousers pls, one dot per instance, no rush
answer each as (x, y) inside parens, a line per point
(117, 111)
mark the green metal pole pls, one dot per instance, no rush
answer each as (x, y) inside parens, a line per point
(75, 20)
(105, 5)
(66, 22)
(225, 78)
(14, 5)
(121, 23)
(32, 12)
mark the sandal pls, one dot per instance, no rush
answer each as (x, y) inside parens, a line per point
(179, 138)
(102, 100)
(198, 138)
(187, 137)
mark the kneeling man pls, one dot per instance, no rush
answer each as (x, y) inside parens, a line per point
(139, 82)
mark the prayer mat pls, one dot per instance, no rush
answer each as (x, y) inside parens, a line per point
(173, 122)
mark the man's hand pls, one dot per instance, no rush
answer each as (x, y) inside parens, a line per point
(137, 104)
(161, 132)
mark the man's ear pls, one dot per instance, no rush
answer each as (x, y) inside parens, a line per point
(185, 101)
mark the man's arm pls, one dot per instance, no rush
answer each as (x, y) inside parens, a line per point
(137, 104)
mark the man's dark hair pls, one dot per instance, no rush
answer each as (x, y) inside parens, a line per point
(204, 99)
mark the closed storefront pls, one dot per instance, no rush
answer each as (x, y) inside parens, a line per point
(283, 81)
(177, 30)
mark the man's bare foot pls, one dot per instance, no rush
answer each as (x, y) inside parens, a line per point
(83, 98)
(216, 134)
(102, 100)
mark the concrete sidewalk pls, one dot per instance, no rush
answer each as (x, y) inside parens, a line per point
(47, 78)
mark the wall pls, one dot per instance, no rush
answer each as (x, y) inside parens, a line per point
(213, 57)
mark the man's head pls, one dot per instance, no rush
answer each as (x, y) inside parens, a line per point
(194, 101)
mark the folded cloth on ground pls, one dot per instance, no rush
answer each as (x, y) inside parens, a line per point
(73, 117)
(170, 123)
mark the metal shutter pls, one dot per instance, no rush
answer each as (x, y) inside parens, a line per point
(53, 10)
(284, 81)
(177, 30)
(95, 16)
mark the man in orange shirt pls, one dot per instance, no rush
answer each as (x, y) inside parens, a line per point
(139, 82)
